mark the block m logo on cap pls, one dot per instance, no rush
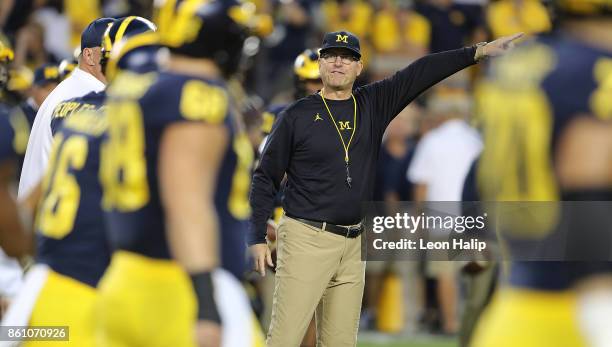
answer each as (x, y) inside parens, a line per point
(342, 39)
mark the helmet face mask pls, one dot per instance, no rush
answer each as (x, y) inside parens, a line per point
(139, 53)
(122, 29)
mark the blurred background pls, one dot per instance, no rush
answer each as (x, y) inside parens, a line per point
(405, 303)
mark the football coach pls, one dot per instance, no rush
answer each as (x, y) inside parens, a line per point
(328, 144)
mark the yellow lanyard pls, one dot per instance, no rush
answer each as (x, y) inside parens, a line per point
(345, 146)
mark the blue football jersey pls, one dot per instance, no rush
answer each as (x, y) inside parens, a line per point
(14, 133)
(69, 107)
(528, 100)
(71, 235)
(269, 117)
(137, 119)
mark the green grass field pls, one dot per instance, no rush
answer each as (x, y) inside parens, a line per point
(380, 340)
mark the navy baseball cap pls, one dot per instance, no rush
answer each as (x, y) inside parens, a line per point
(47, 73)
(93, 34)
(341, 39)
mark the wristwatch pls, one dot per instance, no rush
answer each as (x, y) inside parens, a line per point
(480, 52)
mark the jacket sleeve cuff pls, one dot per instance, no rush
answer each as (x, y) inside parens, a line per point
(256, 236)
(471, 51)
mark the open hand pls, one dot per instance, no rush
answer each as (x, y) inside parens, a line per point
(261, 256)
(497, 47)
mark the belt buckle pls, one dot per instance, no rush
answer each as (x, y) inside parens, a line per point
(352, 229)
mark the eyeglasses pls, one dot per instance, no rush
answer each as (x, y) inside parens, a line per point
(346, 59)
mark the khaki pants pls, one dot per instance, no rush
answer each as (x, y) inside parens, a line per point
(316, 270)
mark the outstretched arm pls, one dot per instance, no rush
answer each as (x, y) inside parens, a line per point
(394, 93)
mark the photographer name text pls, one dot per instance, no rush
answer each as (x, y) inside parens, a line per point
(421, 244)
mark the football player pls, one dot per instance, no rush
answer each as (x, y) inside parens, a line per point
(13, 141)
(176, 180)
(72, 251)
(306, 81)
(546, 111)
(46, 78)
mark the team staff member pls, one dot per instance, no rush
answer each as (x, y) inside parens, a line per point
(46, 78)
(86, 78)
(328, 145)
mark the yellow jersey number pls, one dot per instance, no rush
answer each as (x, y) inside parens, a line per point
(123, 168)
(203, 102)
(517, 121)
(600, 101)
(515, 165)
(62, 192)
